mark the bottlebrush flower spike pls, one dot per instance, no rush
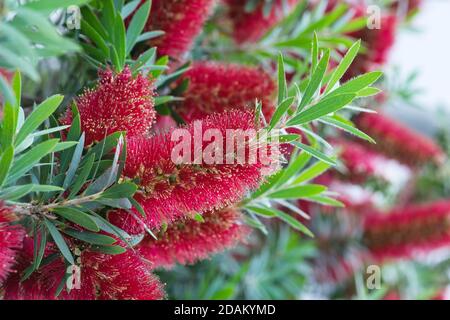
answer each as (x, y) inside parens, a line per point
(103, 277)
(182, 22)
(398, 141)
(170, 190)
(217, 87)
(119, 102)
(188, 241)
(404, 231)
(11, 238)
(251, 26)
(378, 42)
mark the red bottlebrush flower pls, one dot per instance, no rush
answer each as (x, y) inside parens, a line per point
(404, 231)
(102, 277)
(119, 102)
(182, 22)
(408, 6)
(251, 26)
(11, 237)
(188, 241)
(398, 141)
(170, 189)
(216, 87)
(378, 43)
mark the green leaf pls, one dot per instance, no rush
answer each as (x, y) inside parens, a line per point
(90, 237)
(47, 6)
(73, 167)
(355, 85)
(82, 177)
(322, 108)
(61, 146)
(5, 89)
(368, 92)
(297, 163)
(79, 217)
(6, 159)
(59, 241)
(282, 86)
(129, 8)
(314, 53)
(118, 191)
(316, 80)
(298, 192)
(113, 250)
(343, 65)
(136, 25)
(312, 172)
(315, 153)
(103, 147)
(286, 218)
(29, 159)
(326, 201)
(138, 207)
(38, 116)
(120, 41)
(15, 192)
(42, 247)
(280, 112)
(336, 122)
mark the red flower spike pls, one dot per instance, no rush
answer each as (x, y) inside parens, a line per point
(182, 22)
(404, 231)
(188, 241)
(217, 87)
(251, 26)
(378, 43)
(11, 237)
(169, 191)
(119, 102)
(398, 141)
(103, 277)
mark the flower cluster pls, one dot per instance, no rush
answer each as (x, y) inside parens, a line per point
(169, 190)
(118, 102)
(10, 241)
(181, 21)
(102, 277)
(251, 26)
(217, 87)
(398, 141)
(401, 232)
(187, 241)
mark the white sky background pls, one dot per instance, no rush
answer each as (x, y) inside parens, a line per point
(428, 51)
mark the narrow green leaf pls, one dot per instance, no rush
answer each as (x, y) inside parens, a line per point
(333, 121)
(316, 80)
(312, 172)
(280, 112)
(73, 167)
(79, 217)
(298, 192)
(29, 159)
(322, 108)
(137, 25)
(113, 250)
(82, 177)
(90, 237)
(118, 191)
(59, 241)
(315, 153)
(355, 85)
(38, 116)
(6, 159)
(343, 66)
(282, 85)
